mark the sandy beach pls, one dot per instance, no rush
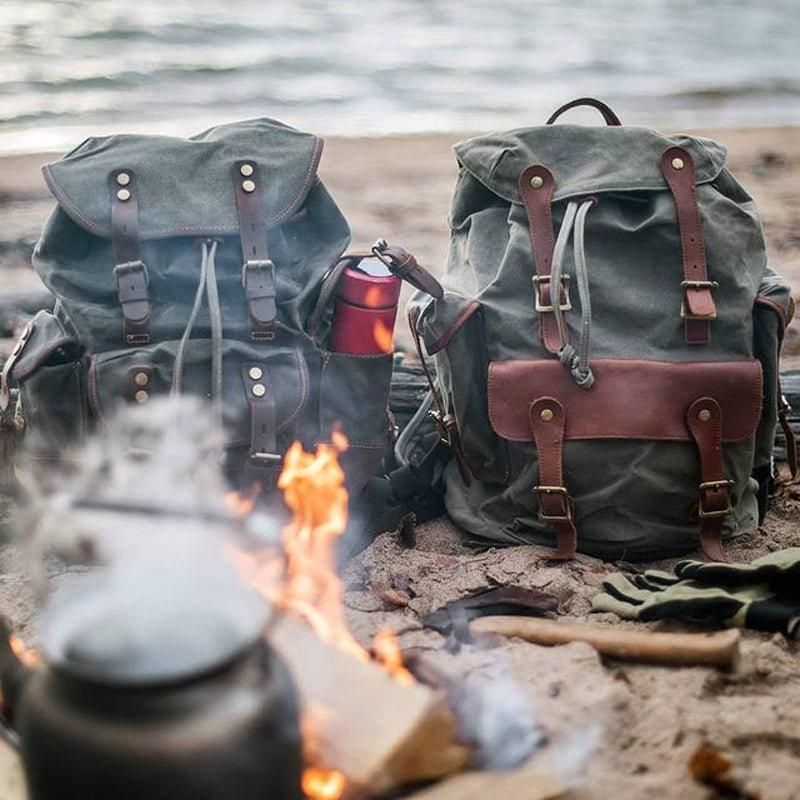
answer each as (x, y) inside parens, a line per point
(616, 731)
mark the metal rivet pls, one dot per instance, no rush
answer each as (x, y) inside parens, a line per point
(704, 415)
(256, 373)
(141, 396)
(123, 179)
(677, 163)
(547, 414)
(259, 390)
(537, 182)
(123, 194)
(248, 186)
(246, 170)
(141, 379)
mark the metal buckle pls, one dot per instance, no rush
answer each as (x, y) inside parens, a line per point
(685, 285)
(715, 485)
(269, 458)
(539, 306)
(132, 266)
(444, 425)
(266, 264)
(566, 516)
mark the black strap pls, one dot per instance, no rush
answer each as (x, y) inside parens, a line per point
(258, 271)
(130, 272)
(263, 456)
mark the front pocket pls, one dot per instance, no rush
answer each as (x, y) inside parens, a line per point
(137, 375)
(354, 394)
(49, 371)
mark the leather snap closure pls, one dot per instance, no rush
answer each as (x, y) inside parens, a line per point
(256, 373)
(123, 179)
(704, 415)
(677, 163)
(141, 379)
(248, 186)
(246, 170)
(547, 414)
(259, 390)
(123, 195)
(537, 182)
(141, 397)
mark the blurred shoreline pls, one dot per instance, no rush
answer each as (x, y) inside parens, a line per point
(399, 188)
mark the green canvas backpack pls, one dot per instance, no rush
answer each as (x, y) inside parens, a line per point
(207, 266)
(607, 345)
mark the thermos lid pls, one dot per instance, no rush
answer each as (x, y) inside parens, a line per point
(369, 284)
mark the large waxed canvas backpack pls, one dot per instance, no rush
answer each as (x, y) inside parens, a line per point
(206, 266)
(607, 345)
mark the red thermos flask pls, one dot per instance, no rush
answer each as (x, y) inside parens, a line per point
(365, 311)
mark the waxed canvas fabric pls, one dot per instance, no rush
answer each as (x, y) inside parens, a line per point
(75, 370)
(630, 498)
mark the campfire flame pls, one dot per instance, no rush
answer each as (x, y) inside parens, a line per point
(27, 655)
(304, 581)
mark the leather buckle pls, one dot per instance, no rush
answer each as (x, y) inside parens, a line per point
(566, 515)
(539, 304)
(707, 486)
(687, 286)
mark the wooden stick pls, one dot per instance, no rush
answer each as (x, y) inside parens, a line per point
(719, 649)
(520, 784)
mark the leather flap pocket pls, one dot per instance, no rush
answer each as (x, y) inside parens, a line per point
(629, 400)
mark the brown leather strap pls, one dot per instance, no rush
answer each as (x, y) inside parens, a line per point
(704, 420)
(697, 307)
(445, 421)
(547, 424)
(264, 458)
(536, 186)
(258, 271)
(608, 115)
(788, 432)
(130, 271)
(403, 264)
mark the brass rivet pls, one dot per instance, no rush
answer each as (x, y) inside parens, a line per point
(246, 170)
(547, 414)
(259, 390)
(248, 186)
(123, 179)
(704, 415)
(677, 163)
(256, 373)
(123, 194)
(537, 182)
(141, 379)
(141, 396)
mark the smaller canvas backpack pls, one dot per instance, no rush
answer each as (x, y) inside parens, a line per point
(607, 345)
(206, 266)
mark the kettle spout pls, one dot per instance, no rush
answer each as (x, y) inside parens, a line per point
(13, 677)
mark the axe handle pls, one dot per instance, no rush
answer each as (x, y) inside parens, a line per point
(720, 649)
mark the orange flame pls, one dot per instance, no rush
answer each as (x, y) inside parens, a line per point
(383, 337)
(27, 655)
(323, 784)
(390, 656)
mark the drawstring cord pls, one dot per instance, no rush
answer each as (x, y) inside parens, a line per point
(208, 285)
(577, 361)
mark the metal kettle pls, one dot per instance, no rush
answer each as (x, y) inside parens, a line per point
(227, 730)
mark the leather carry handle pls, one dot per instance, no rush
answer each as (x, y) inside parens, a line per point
(608, 115)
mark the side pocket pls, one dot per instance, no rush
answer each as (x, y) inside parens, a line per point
(771, 313)
(354, 395)
(454, 333)
(50, 374)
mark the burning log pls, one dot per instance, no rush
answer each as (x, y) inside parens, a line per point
(380, 733)
(521, 784)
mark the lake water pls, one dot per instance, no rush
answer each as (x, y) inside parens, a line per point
(70, 68)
